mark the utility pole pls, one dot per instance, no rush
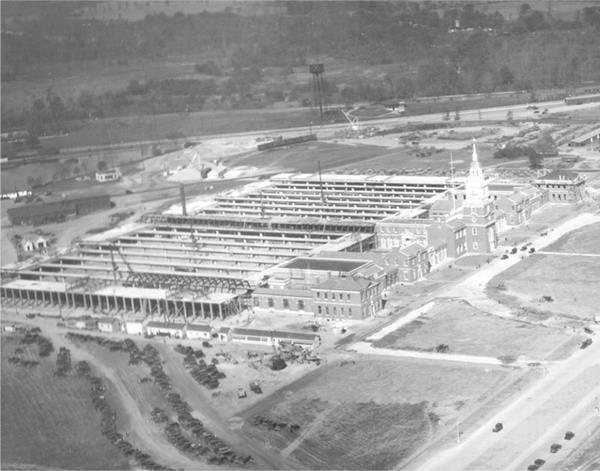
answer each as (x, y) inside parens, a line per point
(452, 194)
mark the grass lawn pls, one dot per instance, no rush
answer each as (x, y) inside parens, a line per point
(306, 157)
(370, 413)
(584, 240)
(572, 282)
(49, 421)
(467, 330)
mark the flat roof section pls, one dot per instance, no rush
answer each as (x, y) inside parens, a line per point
(324, 264)
(36, 285)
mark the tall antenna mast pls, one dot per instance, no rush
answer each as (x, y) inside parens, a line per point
(452, 194)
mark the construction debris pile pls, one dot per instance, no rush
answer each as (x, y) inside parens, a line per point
(271, 424)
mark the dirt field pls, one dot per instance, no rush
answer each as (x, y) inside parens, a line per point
(585, 240)
(369, 414)
(572, 282)
(48, 421)
(467, 330)
(305, 157)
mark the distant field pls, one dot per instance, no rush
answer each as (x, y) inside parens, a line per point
(467, 330)
(162, 126)
(68, 79)
(50, 422)
(402, 158)
(572, 281)
(584, 240)
(369, 414)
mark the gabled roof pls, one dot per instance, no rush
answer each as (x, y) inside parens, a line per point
(560, 175)
(198, 328)
(108, 320)
(32, 238)
(412, 249)
(253, 332)
(295, 336)
(166, 325)
(455, 224)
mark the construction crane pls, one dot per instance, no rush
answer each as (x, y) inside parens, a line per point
(354, 122)
(115, 268)
(134, 277)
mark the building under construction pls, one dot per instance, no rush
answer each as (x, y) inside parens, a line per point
(205, 264)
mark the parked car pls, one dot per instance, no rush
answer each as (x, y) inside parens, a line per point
(555, 447)
(539, 462)
(569, 435)
(504, 257)
(497, 427)
(585, 344)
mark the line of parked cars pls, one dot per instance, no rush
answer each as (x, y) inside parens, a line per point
(554, 448)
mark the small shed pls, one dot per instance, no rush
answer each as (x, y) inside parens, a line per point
(224, 334)
(111, 175)
(195, 332)
(134, 327)
(83, 323)
(33, 242)
(170, 329)
(109, 325)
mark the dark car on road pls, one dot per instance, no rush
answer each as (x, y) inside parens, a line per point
(555, 447)
(586, 343)
(497, 427)
(569, 435)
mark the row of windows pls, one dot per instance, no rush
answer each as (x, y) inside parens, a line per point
(286, 303)
(461, 233)
(326, 310)
(333, 295)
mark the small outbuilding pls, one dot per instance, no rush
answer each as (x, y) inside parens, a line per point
(134, 327)
(33, 242)
(109, 325)
(169, 329)
(198, 332)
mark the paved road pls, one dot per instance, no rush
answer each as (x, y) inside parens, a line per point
(520, 413)
(570, 254)
(367, 349)
(520, 112)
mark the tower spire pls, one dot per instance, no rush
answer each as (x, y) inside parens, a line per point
(475, 158)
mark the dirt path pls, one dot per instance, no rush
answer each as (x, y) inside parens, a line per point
(198, 399)
(153, 443)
